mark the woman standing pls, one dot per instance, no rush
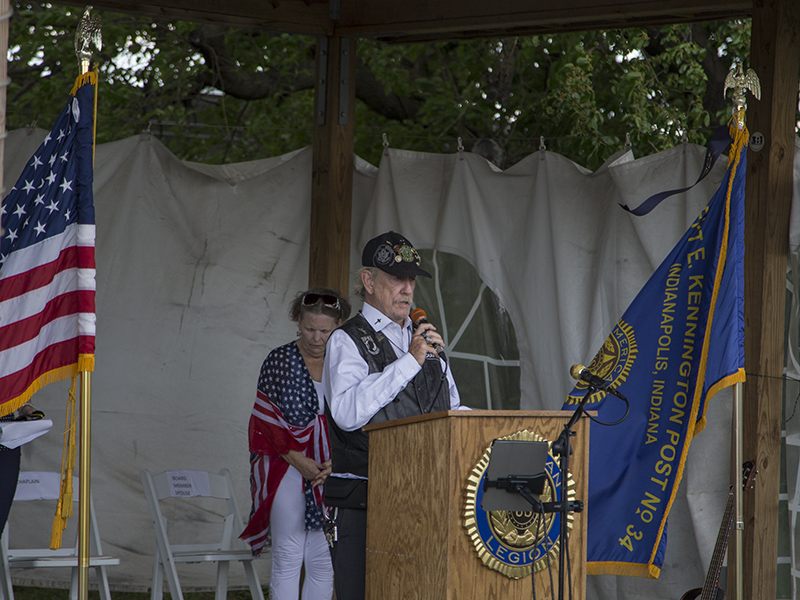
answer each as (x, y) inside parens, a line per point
(290, 455)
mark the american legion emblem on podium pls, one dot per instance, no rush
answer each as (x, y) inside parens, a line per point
(519, 542)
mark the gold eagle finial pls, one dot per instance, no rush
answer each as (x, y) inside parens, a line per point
(87, 34)
(740, 82)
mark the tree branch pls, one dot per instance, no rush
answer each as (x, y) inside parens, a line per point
(224, 74)
(372, 93)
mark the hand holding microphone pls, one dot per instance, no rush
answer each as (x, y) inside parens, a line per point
(427, 334)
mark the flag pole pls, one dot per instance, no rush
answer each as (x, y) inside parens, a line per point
(85, 485)
(739, 519)
(86, 35)
(5, 16)
(740, 82)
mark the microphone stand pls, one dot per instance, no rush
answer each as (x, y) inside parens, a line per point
(561, 448)
(529, 487)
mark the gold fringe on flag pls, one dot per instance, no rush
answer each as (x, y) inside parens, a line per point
(44, 379)
(68, 461)
(741, 137)
(85, 363)
(89, 77)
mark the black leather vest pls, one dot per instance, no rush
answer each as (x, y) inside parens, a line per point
(426, 393)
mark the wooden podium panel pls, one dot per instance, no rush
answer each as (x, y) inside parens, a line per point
(418, 547)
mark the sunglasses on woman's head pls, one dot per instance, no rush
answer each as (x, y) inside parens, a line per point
(327, 300)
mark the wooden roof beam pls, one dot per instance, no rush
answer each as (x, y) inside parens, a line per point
(418, 20)
(422, 19)
(308, 17)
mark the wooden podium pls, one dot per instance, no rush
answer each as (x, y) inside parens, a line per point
(418, 547)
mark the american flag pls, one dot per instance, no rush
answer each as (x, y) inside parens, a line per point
(47, 266)
(270, 435)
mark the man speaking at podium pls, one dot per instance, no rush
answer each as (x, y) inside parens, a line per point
(377, 368)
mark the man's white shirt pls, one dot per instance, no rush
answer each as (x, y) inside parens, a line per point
(352, 393)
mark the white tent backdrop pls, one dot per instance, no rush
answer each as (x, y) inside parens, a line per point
(196, 265)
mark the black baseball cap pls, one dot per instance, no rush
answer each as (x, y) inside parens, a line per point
(393, 254)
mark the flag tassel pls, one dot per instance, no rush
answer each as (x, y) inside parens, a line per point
(69, 453)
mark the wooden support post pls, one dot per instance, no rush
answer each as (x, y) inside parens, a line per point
(775, 56)
(332, 170)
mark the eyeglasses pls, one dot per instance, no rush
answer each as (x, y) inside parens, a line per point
(327, 300)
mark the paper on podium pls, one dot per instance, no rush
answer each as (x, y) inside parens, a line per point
(15, 433)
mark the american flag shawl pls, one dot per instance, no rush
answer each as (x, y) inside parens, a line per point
(271, 435)
(47, 264)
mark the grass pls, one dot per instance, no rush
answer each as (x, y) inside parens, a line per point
(35, 593)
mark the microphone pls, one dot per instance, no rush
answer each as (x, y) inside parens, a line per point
(418, 317)
(581, 373)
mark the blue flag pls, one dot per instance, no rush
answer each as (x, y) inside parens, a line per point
(679, 342)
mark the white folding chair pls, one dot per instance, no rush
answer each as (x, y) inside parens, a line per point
(187, 485)
(42, 485)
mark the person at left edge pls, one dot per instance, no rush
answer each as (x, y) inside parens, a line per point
(10, 461)
(290, 455)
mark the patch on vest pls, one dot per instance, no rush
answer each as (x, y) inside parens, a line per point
(370, 344)
(516, 543)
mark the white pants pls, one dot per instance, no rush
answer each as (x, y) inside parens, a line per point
(292, 546)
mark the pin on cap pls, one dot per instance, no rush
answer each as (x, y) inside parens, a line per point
(393, 254)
